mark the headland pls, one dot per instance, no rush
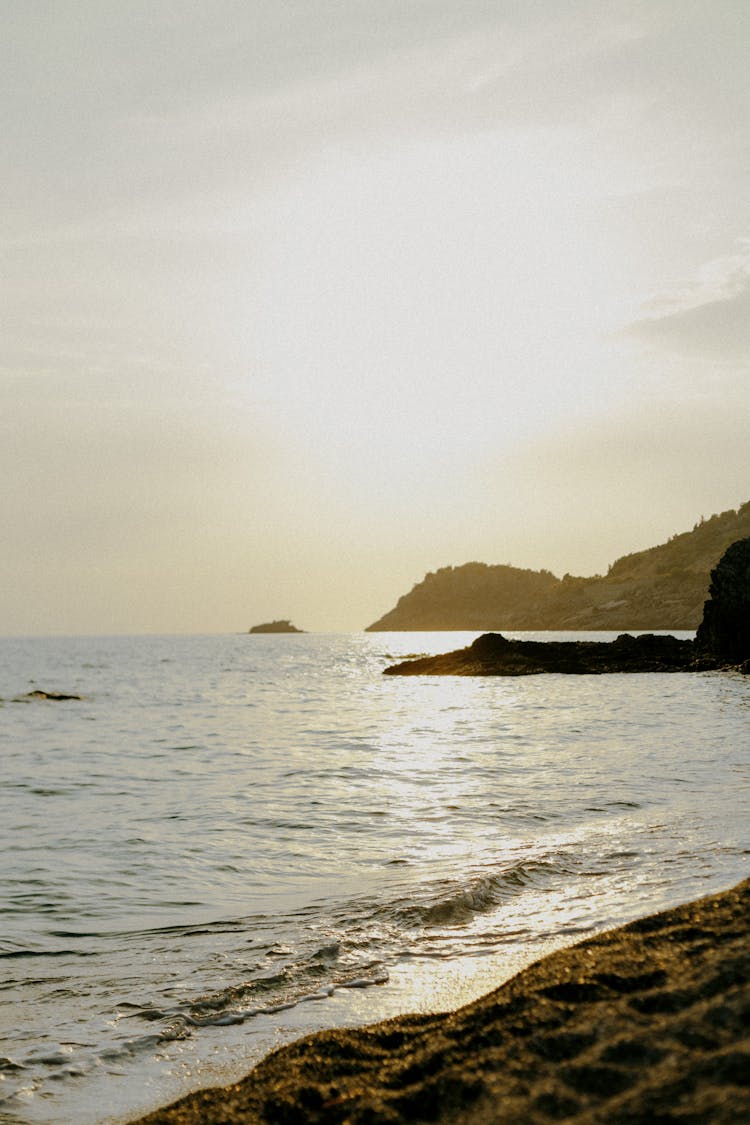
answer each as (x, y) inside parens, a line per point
(721, 642)
(662, 588)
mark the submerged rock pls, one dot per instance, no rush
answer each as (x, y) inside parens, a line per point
(722, 641)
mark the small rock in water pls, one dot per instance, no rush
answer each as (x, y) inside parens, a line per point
(39, 694)
(275, 627)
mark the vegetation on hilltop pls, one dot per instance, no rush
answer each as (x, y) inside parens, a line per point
(663, 587)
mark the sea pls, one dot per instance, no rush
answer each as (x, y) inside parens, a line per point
(231, 841)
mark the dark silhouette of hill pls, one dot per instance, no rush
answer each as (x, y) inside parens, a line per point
(663, 587)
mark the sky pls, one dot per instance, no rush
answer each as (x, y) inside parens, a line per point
(302, 299)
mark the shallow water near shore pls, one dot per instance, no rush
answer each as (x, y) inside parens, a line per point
(232, 840)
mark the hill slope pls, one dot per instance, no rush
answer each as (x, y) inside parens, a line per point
(662, 587)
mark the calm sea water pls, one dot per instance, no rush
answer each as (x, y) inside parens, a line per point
(232, 840)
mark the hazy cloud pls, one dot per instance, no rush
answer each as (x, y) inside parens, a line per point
(709, 318)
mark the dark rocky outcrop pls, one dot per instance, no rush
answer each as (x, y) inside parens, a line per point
(495, 655)
(275, 627)
(722, 641)
(725, 629)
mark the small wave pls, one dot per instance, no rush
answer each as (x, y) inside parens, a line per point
(449, 904)
(235, 994)
(381, 976)
(46, 953)
(292, 988)
(327, 952)
(314, 976)
(8, 1065)
(214, 1013)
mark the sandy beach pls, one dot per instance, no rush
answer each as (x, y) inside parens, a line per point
(648, 1023)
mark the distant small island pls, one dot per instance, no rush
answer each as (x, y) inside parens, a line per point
(275, 627)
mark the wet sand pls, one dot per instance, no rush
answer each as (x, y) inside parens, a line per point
(648, 1024)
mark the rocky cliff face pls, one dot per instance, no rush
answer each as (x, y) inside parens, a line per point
(725, 629)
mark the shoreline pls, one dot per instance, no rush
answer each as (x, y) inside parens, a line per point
(645, 1022)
